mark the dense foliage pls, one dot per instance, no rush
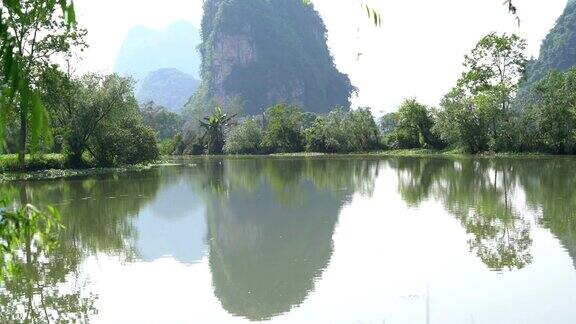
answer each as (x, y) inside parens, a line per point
(166, 124)
(256, 54)
(388, 122)
(98, 115)
(460, 124)
(245, 138)
(412, 127)
(557, 52)
(32, 34)
(343, 132)
(552, 115)
(284, 129)
(214, 131)
(476, 115)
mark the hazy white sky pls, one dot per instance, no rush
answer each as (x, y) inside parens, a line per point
(418, 51)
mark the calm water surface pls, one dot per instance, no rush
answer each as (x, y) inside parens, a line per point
(317, 240)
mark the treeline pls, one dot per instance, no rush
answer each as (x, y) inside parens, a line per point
(90, 120)
(94, 121)
(97, 116)
(493, 108)
(283, 128)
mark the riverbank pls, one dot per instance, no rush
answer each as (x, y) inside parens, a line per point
(51, 174)
(9, 162)
(54, 167)
(457, 153)
(412, 153)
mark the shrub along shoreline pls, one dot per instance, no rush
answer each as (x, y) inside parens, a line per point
(52, 174)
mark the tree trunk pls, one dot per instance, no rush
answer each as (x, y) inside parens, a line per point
(22, 139)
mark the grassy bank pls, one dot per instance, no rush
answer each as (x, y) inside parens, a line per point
(66, 173)
(387, 153)
(461, 154)
(52, 166)
(9, 162)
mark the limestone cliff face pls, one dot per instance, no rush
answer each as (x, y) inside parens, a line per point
(230, 52)
(259, 53)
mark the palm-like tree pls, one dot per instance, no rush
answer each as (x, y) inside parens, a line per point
(214, 126)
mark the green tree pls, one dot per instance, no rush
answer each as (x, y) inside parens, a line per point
(283, 131)
(476, 115)
(37, 35)
(459, 123)
(214, 130)
(554, 112)
(15, 84)
(98, 114)
(493, 69)
(413, 127)
(328, 133)
(387, 123)
(166, 123)
(363, 130)
(125, 140)
(57, 91)
(343, 131)
(245, 138)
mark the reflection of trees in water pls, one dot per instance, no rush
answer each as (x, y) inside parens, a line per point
(271, 221)
(97, 212)
(550, 188)
(43, 291)
(478, 193)
(270, 225)
(97, 215)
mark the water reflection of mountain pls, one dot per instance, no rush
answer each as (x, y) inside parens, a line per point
(270, 228)
(268, 223)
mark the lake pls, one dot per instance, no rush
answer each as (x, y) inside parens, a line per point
(307, 240)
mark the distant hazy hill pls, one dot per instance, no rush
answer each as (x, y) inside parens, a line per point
(145, 50)
(169, 88)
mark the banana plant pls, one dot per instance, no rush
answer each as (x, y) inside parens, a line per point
(214, 130)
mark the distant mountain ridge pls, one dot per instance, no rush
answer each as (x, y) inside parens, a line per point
(145, 50)
(170, 88)
(558, 50)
